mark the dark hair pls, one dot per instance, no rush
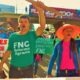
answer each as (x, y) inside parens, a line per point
(58, 24)
(47, 29)
(24, 16)
(73, 45)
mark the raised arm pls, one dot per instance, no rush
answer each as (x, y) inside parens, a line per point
(46, 8)
(41, 15)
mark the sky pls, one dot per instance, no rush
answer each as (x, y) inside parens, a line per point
(21, 4)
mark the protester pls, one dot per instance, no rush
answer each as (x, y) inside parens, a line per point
(21, 46)
(66, 52)
(37, 57)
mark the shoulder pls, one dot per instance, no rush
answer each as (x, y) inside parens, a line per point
(32, 33)
(77, 42)
(58, 45)
(12, 35)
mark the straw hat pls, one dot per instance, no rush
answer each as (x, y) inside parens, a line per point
(76, 30)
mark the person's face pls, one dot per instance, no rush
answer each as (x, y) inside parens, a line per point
(67, 33)
(24, 23)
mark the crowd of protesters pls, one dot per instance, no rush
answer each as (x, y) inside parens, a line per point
(21, 47)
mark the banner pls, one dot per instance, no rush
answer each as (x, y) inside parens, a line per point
(67, 13)
(3, 46)
(44, 46)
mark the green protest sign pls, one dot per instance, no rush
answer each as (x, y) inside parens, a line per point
(44, 46)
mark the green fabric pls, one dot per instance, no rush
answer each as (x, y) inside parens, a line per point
(22, 48)
(44, 46)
